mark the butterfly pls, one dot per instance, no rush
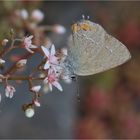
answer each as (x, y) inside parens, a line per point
(92, 50)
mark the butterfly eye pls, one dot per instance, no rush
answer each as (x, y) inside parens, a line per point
(73, 78)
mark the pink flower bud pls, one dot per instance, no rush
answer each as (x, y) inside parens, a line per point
(21, 63)
(2, 61)
(36, 88)
(23, 14)
(4, 42)
(9, 91)
(59, 29)
(37, 15)
(36, 102)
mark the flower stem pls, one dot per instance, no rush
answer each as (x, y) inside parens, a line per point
(25, 78)
(6, 50)
(13, 68)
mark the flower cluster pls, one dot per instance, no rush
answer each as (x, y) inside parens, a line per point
(47, 73)
(51, 68)
(51, 65)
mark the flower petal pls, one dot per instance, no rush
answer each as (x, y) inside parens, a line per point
(33, 46)
(57, 85)
(52, 49)
(6, 93)
(2, 61)
(47, 65)
(29, 50)
(21, 63)
(36, 88)
(30, 37)
(37, 103)
(11, 94)
(9, 91)
(46, 51)
(46, 80)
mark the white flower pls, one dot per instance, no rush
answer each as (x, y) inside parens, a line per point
(52, 80)
(59, 29)
(52, 59)
(37, 103)
(2, 61)
(23, 14)
(29, 112)
(27, 42)
(21, 63)
(4, 42)
(36, 88)
(9, 91)
(37, 15)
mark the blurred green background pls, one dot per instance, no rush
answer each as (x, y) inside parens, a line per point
(110, 101)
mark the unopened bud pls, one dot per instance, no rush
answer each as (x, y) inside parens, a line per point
(11, 31)
(29, 112)
(21, 63)
(36, 88)
(23, 14)
(2, 61)
(36, 102)
(37, 15)
(4, 42)
(59, 29)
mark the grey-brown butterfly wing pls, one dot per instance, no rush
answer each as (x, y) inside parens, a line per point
(93, 51)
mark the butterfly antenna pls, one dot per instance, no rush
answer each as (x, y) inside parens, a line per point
(83, 16)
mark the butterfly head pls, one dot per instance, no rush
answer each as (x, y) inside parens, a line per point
(83, 25)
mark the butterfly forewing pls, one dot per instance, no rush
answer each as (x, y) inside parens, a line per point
(92, 51)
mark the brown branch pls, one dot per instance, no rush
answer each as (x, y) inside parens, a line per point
(6, 50)
(13, 68)
(25, 78)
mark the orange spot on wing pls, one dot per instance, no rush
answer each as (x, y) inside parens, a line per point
(74, 28)
(85, 27)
